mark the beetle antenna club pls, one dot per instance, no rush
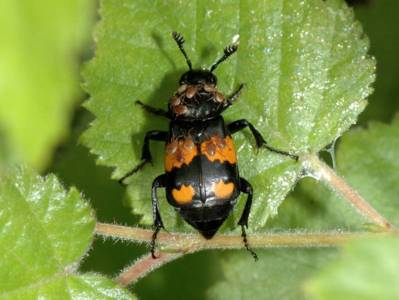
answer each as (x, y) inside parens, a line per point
(229, 50)
(180, 41)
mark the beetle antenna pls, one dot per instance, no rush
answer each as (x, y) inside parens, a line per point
(229, 50)
(179, 39)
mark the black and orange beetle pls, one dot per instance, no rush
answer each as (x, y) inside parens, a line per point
(201, 175)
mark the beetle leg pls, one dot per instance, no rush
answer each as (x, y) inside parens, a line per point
(246, 188)
(260, 141)
(234, 96)
(145, 153)
(241, 124)
(153, 110)
(158, 182)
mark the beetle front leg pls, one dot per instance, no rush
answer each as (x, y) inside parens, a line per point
(260, 141)
(145, 153)
(245, 187)
(155, 111)
(159, 182)
(233, 97)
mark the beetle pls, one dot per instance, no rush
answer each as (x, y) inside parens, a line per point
(201, 178)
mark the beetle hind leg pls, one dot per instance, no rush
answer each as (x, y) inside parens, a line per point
(246, 188)
(159, 182)
(246, 244)
(153, 241)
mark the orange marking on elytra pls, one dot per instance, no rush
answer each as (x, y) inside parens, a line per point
(179, 152)
(184, 195)
(223, 190)
(220, 149)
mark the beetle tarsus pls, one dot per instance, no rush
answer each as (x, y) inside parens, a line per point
(294, 157)
(246, 244)
(246, 188)
(153, 241)
(134, 170)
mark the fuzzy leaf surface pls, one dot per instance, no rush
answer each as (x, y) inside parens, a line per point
(367, 160)
(304, 63)
(44, 232)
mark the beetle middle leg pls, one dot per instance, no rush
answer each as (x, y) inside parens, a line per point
(260, 141)
(153, 110)
(159, 182)
(245, 187)
(145, 153)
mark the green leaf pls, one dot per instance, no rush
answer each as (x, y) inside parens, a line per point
(93, 181)
(366, 270)
(305, 66)
(367, 159)
(196, 273)
(87, 286)
(45, 231)
(312, 206)
(279, 274)
(39, 44)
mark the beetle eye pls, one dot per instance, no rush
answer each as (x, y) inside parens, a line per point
(183, 79)
(212, 79)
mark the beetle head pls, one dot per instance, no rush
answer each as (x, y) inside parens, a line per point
(196, 77)
(197, 97)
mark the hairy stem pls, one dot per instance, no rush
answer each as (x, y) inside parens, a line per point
(324, 173)
(188, 243)
(175, 245)
(143, 266)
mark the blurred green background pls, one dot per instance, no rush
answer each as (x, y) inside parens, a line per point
(42, 47)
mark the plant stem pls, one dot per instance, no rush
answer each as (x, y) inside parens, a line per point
(323, 172)
(188, 243)
(175, 245)
(143, 266)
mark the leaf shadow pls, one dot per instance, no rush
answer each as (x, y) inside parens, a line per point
(158, 98)
(159, 41)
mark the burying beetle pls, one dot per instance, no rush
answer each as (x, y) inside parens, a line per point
(201, 176)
